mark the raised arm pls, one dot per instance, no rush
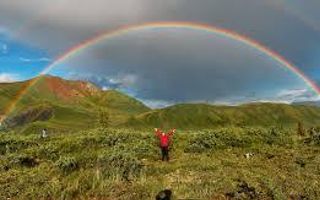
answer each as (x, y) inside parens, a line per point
(172, 132)
(157, 132)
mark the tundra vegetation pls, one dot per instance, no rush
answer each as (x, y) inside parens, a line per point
(114, 163)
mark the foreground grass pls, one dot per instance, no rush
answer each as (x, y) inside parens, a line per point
(124, 164)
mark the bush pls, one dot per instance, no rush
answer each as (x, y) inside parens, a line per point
(207, 141)
(49, 151)
(202, 142)
(275, 136)
(122, 164)
(12, 146)
(67, 164)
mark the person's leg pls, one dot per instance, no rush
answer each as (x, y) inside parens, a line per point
(163, 152)
(167, 153)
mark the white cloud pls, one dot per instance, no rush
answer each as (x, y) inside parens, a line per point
(105, 88)
(8, 78)
(286, 96)
(157, 103)
(125, 80)
(296, 95)
(43, 59)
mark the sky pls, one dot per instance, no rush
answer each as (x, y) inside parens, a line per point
(168, 65)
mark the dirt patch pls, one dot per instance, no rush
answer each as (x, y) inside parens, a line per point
(39, 113)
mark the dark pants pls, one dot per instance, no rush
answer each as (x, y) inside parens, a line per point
(165, 153)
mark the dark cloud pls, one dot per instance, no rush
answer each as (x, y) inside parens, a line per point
(182, 65)
(57, 25)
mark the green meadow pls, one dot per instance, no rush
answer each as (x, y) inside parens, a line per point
(108, 163)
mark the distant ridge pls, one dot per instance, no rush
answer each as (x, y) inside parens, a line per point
(210, 116)
(307, 103)
(76, 104)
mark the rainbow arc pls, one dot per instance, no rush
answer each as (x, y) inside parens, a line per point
(72, 52)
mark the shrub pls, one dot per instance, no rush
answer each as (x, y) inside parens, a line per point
(203, 142)
(11, 146)
(122, 164)
(49, 151)
(220, 139)
(112, 138)
(67, 164)
(275, 136)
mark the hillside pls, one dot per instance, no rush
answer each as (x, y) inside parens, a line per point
(63, 104)
(74, 104)
(208, 116)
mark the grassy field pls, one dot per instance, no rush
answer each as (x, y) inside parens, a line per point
(125, 164)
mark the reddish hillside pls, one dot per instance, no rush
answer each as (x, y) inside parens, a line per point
(65, 90)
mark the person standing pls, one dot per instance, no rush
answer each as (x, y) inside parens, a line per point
(164, 142)
(44, 133)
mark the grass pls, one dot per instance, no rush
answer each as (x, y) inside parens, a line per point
(125, 164)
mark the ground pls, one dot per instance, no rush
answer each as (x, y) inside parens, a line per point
(125, 164)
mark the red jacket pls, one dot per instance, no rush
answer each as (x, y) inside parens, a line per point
(164, 139)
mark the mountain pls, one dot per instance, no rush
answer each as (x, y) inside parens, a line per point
(71, 104)
(63, 104)
(307, 103)
(209, 116)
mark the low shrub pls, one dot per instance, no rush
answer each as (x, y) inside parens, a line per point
(67, 164)
(207, 141)
(120, 164)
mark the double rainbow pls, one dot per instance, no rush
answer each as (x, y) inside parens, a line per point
(165, 25)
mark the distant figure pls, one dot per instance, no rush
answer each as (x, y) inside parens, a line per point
(248, 155)
(164, 195)
(44, 133)
(164, 142)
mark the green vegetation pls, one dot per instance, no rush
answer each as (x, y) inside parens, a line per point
(125, 164)
(76, 105)
(253, 151)
(195, 116)
(61, 104)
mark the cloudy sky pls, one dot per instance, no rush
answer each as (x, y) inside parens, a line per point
(167, 65)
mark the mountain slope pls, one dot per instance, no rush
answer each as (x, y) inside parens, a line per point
(208, 116)
(73, 103)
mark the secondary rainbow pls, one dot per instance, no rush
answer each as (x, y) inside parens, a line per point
(158, 25)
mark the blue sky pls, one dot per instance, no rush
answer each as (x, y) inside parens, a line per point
(167, 66)
(19, 60)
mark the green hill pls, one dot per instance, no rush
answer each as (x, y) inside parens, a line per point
(209, 116)
(73, 104)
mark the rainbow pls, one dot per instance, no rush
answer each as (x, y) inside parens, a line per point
(149, 26)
